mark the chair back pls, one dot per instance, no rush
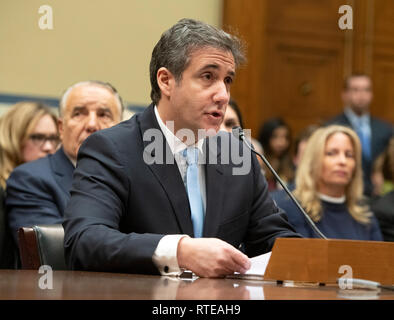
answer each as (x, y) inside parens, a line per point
(42, 245)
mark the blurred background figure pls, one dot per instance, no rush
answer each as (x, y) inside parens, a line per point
(383, 172)
(275, 139)
(38, 191)
(374, 134)
(233, 118)
(329, 186)
(28, 131)
(299, 147)
(383, 206)
(300, 143)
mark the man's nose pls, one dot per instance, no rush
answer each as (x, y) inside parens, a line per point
(222, 94)
(92, 124)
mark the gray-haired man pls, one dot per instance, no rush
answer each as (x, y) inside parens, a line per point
(38, 191)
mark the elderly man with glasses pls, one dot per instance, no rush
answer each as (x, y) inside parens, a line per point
(37, 192)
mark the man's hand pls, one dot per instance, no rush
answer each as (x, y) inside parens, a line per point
(210, 257)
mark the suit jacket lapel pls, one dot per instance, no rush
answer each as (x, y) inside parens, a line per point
(167, 172)
(63, 170)
(374, 140)
(215, 188)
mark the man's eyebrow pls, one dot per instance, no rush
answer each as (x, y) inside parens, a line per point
(215, 66)
(78, 108)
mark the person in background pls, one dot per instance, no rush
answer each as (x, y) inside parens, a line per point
(383, 206)
(374, 134)
(275, 139)
(329, 187)
(38, 191)
(28, 131)
(383, 174)
(300, 143)
(233, 118)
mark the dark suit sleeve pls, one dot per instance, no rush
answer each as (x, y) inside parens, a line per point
(29, 200)
(93, 240)
(267, 221)
(382, 209)
(296, 218)
(376, 233)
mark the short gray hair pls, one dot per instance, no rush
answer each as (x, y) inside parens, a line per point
(107, 85)
(176, 45)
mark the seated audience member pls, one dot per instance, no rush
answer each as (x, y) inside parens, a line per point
(330, 189)
(233, 118)
(28, 131)
(383, 207)
(38, 191)
(145, 200)
(275, 139)
(299, 148)
(383, 171)
(7, 248)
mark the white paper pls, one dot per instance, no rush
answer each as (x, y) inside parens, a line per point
(257, 269)
(259, 264)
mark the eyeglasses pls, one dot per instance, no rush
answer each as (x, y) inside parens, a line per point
(40, 139)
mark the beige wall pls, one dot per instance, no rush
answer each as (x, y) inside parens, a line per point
(100, 39)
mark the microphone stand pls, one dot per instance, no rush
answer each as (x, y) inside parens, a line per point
(241, 136)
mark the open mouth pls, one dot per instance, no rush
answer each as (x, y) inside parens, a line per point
(216, 114)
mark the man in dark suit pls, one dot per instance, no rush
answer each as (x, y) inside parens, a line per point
(374, 133)
(38, 191)
(140, 202)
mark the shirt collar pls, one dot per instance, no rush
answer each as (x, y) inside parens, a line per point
(332, 199)
(356, 119)
(176, 145)
(72, 160)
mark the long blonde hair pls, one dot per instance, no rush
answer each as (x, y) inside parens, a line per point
(309, 171)
(15, 127)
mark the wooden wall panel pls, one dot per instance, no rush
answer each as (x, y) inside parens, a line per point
(298, 57)
(302, 80)
(383, 59)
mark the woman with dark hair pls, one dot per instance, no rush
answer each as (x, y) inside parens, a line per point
(275, 139)
(383, 206)
(233, 118)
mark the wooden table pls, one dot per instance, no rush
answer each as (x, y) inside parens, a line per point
(76, 285)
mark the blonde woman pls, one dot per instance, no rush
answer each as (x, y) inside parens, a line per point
(329, 186)
(28, 131)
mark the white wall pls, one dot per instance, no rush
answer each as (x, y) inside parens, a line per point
(101, 39)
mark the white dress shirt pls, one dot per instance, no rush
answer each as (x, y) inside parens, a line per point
(165, 255)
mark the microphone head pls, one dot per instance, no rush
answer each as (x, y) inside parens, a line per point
(237, 132)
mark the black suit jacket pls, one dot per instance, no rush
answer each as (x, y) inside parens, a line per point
(38, 191)
(381, 132)
(121, 207)
(383, 208)
(7, 248)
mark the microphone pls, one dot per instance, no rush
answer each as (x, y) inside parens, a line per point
(239, 133)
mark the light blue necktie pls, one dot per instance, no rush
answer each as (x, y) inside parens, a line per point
(365, 140)
(193, 190)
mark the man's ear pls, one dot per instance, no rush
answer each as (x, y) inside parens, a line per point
(165, 81)
(60, 127)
